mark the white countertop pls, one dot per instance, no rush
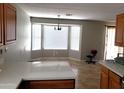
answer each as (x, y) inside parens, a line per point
(11, 73)
(115, 67)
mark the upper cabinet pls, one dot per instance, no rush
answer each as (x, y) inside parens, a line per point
(7, 24)
(1, 24)
(119, 37)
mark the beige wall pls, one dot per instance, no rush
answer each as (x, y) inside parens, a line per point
(93, 37)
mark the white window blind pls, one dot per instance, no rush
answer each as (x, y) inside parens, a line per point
(54, 39)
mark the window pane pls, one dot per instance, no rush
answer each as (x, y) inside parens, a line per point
(54, 39)
(75, 37)
(36, 37)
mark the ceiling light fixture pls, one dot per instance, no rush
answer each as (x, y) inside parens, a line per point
(58, 26)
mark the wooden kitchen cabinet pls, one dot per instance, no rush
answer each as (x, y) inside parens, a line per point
(114, 81)
(109, 80)
(1, 24)
(9, 23)
(47, 84)
(119, 36)
(104, 80)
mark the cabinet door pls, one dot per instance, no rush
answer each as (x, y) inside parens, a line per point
(114, 81)
(1, 24)
(9, 23)
(104, 78)
(119, 30)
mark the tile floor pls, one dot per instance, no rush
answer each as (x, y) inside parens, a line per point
(88, 76)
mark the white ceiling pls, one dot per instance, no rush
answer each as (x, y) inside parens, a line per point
(83, 11)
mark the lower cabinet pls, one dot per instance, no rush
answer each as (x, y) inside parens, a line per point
(114, 81)
(109, 80)
(47, 84)
(104, 78)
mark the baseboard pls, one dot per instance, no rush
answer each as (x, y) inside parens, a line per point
(61, 58)
(49, 58)
(75, 59)
(54, 58)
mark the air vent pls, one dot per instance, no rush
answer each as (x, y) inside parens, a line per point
(69, 14)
